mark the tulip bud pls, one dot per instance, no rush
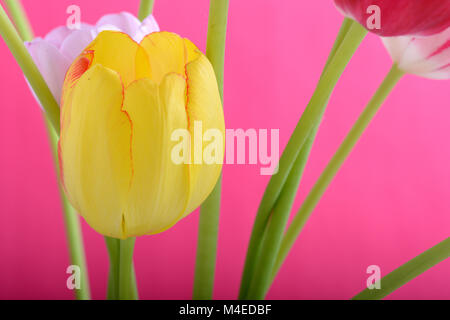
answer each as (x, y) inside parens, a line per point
(121, 103)
(427, 57)
(399, 17)
(54, 54)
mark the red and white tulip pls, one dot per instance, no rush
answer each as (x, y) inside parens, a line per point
(427, 57)
(399, 17)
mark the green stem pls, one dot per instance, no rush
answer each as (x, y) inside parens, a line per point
(208, 229)
(15, 9)
(23, 58)
(275, 227)
(348, 40)
(335, 163)
(209, 212)
(407, 272)
(127, 284)
(71, 221)
(73, 230)
(113, 246)
(122, 277)
(215, 42)
(278, 219)
(134, 288)
(343, 30)
(145, 9)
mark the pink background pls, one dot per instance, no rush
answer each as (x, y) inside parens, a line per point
(390, 201)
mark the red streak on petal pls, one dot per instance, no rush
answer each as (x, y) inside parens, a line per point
(79, 67)
(440, 49)
(444, 67)
(131, 129)
(76, 70)
(186, 103)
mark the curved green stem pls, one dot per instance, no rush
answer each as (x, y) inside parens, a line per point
(145, 8)
(348, 40)
(278, 219)
(71, 221)
(23, 58)
(275, 227)
(407, 272)
(209, 212)
(335, 163)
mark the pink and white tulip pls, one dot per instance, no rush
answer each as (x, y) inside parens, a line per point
(427, 57)
(54, 53)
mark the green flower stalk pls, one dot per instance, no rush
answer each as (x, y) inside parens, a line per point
(23, 58)
(209, 212)
(145, 8)
(408, 271)
(335, 163)
(275, 227)
(71, 220)
(347, 42)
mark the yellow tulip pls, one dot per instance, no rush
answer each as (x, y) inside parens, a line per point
(121, 101)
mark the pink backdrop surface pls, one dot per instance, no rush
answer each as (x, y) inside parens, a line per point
(390, 201)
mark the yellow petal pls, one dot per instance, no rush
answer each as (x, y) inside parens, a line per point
(167, 53)
(117, 51)
(192, 52)
(160, 188)
(204, 105)
(76, 70)
(95, 150)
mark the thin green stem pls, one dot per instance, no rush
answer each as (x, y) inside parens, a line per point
(134, 288)
(145, 8)
(215, 42)
(347, 42)
(127, 284)
(407, 272)
(278, 219)
(71, 221)
(208, 229)
(74, 237)
(275, 227)
(23, 58)
(122, 277)
(335, 163)
(17, 13)
(343, 30)
(113, 246)
(209, 212)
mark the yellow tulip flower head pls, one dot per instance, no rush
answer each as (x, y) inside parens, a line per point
(121, 102)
